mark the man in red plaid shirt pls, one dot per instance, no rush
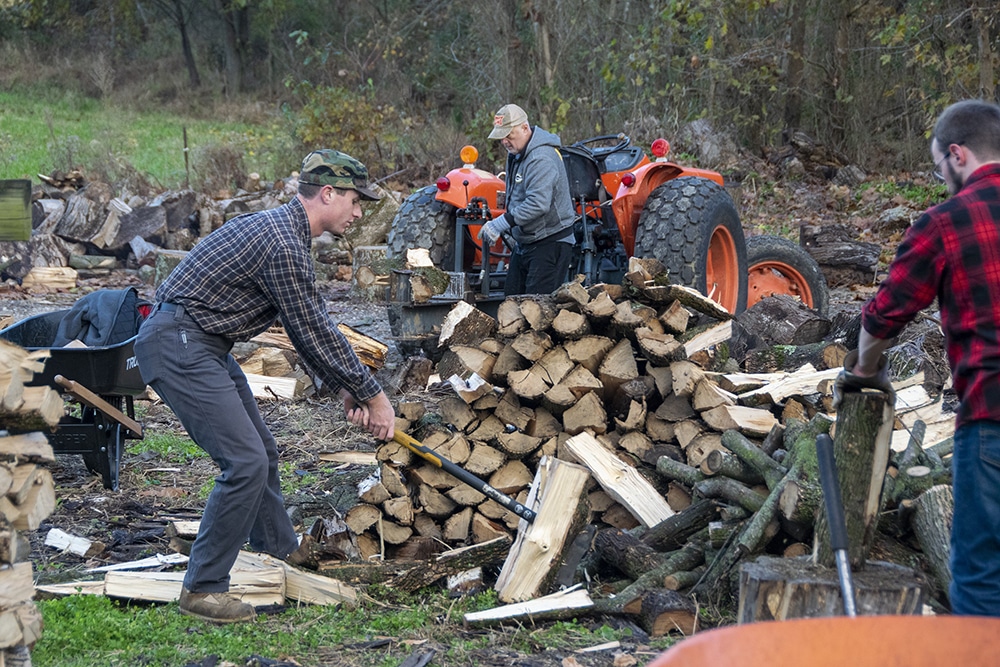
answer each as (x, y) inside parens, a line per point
(952, 253)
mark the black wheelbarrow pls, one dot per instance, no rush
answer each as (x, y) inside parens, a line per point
(102, 378)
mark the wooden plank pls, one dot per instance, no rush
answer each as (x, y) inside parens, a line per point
(574, 598)
(257, 587)
(95, 587)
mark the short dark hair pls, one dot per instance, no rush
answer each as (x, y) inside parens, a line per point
(974, 124)
(309, 190)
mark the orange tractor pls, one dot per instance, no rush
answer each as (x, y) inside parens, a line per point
(628, 204)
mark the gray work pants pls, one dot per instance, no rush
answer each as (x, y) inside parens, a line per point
(196, 376)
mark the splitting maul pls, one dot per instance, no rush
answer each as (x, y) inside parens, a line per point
(436, 459)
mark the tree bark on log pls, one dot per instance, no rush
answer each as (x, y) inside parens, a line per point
(932, 527)
(673, 533)
(861, 450)
(754, 456)
(774, 588)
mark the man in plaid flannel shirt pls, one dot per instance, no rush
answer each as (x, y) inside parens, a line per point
(232, 286)
(952, 253)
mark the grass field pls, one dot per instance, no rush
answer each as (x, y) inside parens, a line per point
(42, 130)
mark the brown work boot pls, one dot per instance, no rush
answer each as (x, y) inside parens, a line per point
(215, 607)
(306, 555)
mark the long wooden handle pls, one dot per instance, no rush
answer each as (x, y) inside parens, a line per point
(88, 397)
(436, 459)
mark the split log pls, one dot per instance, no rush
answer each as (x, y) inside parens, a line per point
(560, 501)
(600, 309)
(699, 345)
(674, 318)
(538, 313)
(658, 348)
(687, 296)
(466, 325)
(463, 360)
(619, 366)
(589, 351)
(569, 325)
(751, 421)
(620, 481)
(588, 413)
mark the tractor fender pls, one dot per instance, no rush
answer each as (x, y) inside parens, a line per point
(629, 201)
(466, 183)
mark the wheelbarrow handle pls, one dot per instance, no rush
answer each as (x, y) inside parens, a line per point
(436, 459)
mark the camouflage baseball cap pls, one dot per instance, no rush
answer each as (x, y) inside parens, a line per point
(330, 167)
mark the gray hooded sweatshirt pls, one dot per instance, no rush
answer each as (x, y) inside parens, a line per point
(538, 201)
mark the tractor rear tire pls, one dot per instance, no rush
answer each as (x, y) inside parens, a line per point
(423, 222)
(780, 266)
(691, 225)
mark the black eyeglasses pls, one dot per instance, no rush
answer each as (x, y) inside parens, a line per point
(937, 168)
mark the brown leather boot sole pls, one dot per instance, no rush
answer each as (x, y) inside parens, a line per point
(215, 607)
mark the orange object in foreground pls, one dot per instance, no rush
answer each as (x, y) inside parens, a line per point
(865, 641)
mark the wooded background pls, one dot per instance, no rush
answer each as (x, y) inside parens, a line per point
(397, 81)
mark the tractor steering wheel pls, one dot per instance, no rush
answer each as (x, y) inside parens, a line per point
(600, 151)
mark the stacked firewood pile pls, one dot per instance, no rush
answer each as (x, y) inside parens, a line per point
(709, 463)
(85, 228)
(27, 493)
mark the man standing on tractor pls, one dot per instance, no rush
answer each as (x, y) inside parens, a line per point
(539, 212)
(952, 253)
(235, 283)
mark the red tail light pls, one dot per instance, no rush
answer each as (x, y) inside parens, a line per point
(443, 184)
(628, 180)
(660, 148)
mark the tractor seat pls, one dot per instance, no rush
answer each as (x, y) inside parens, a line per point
(583, 173)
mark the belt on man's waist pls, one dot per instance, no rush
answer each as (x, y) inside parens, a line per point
(169, 307)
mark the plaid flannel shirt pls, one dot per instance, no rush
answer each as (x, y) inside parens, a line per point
(255, 268)
(952, 252)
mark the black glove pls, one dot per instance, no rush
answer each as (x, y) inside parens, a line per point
(847, 381)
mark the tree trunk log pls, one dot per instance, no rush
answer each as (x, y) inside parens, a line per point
(861, 450)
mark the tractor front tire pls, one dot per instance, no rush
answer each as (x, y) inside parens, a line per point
(424, 222)
(691, 225)
(780, 266)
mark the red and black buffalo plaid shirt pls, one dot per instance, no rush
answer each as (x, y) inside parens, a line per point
(952, 252)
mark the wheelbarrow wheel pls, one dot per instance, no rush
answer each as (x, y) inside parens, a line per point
(106, 462)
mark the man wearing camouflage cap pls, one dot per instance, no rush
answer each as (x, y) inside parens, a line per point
(233, 285)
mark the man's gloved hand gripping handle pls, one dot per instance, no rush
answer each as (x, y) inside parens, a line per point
(847, 380)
